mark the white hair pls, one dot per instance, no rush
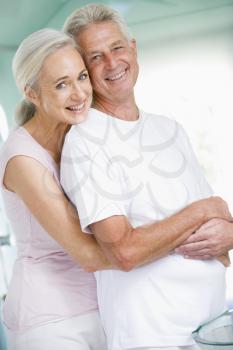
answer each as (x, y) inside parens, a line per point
(28, 61)
(82, 18)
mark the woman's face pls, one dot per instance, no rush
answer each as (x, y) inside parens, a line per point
(64, 91)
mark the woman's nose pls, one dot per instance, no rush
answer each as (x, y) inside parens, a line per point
(77, 92)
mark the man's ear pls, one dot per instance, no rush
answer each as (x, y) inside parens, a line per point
(31, 95)
(133, 45)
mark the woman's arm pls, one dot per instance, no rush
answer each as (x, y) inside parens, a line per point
(36, 186)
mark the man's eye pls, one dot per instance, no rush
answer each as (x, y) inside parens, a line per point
(61, 85)
(95, 58)
(118, 47)
(83, 76)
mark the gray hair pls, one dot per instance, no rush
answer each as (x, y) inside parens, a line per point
(82, 18)
(28, 61)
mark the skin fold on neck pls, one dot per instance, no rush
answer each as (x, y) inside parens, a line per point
(48, 134)
(126, 110)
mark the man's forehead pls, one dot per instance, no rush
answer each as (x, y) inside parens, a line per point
(100, 35)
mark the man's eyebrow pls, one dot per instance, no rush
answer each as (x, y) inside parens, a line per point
(117, 42)
(94, 52)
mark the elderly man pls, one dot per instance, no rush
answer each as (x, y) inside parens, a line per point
(138, 187)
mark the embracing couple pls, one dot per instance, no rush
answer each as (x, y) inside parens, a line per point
(106, 201)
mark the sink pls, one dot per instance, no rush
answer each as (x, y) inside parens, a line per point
(216, 334)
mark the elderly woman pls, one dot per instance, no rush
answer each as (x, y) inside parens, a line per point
(51, 302)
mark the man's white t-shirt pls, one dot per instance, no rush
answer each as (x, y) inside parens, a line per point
(145, 170)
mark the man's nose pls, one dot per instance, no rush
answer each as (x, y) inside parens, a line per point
(111, 61)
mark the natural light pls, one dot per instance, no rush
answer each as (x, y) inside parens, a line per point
(192, 82)
(3, 124)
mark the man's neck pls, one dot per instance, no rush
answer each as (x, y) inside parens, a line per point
(126, 110)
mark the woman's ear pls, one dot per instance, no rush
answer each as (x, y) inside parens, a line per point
(31, 95)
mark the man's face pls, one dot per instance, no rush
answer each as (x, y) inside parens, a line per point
(111, 61)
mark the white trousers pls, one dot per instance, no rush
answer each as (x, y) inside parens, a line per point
(77, 333)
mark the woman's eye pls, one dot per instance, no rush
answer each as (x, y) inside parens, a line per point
(61, 85)
(83, 76)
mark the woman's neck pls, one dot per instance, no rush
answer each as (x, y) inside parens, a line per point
(48, 135)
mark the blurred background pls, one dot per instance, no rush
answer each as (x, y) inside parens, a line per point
(186, 72)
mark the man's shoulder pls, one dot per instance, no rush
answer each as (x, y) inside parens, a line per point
(160, 123)
(92, 130)
(159, 119)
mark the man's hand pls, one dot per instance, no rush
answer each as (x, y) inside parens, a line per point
(215, 207)
(211, 240)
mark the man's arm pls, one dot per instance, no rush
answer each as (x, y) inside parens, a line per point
(128, 247)
(212, 239)
(95, 187)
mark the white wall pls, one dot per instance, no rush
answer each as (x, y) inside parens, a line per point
(9, 95)
(191, 80)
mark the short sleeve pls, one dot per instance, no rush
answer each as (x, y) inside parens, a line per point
(206, 189)
(91, 180)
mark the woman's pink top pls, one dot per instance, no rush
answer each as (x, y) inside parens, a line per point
(47, 285)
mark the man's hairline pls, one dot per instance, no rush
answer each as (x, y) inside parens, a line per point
(76, 33)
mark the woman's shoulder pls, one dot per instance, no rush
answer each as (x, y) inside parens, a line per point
(21, 143)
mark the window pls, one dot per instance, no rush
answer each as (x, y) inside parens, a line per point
(3, 125)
